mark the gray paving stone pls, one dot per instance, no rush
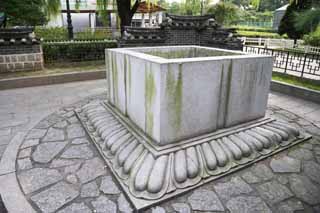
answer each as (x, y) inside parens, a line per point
(273, 192)
(282, 179)
(25, 153)
(205, 200)
(75, 131)
(181, 207)
(235, 186)
(5, 140)
(307, 145)
(73, 120)
(71, 178)
(45, 152)
(158, 209)
(5, 132)
(290, 206)
(56, 163)
(78, 151)
(72, 168)
(103, 205)
(24, 163)
(301, 154)
(55, 197)
(247, 205)
(90, 190)
(304, 189)
(249, 177)
(262, 172)
(76, 208)
(54, 135)
(124, 205)
(312, 170)
(36, 133)
(78, 141)
(37, 178)
(108, 186)
(90, 170)
(61, 124)
(29, 143)
(285, 165)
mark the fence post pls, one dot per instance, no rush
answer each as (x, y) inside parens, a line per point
(287, 60)
(304, 64)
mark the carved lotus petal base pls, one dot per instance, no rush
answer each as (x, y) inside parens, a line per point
(150, 174)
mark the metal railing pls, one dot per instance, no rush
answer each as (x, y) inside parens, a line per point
(296, 63)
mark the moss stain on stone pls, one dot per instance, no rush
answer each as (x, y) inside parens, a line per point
(229, 79)
(150, 89)
(115, 79)
(174, 94)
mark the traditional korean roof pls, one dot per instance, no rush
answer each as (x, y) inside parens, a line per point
(145, 7)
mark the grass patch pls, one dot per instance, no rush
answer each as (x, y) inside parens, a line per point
(297, 81)
(258, 34)
(58, 68)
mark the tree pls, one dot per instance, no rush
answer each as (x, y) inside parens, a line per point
(28, 13)
(224, 13)
(287, 24)
(126, 10)
(308, 21)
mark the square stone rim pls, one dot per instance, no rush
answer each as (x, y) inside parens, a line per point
(160, 60)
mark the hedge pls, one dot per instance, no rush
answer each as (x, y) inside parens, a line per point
(254, 34)
(61, 33)
(255, 29)
(74, 51)
(313, 38)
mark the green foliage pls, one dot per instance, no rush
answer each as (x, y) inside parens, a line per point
(61, 34)
(287, 24)
(98, 34)
(224, 13)
(75, 51)
(308, 20)
(295, 80)
(52, 33)
(313, 38)
(255, 29)
(254, 34)
(26, 13)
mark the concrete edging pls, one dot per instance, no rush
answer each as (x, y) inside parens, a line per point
(296, 91)
(20, 82)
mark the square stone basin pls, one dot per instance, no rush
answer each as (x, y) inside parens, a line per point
(174, 93)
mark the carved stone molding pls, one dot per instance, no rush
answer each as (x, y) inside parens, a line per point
(149, 173)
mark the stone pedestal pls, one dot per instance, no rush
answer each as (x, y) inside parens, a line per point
(179, 117)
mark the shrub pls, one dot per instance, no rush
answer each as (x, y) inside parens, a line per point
(255, 29)
(313, 38)
(258, 34)
(75, 51)
(61, 34)
(51, 33)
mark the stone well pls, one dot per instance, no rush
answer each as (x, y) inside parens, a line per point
(174, 93)
(179, 117)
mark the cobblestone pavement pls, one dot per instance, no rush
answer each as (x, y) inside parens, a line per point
(60, 171)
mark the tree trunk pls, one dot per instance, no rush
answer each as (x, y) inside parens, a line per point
(126, 12)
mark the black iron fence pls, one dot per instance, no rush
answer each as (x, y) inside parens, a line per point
(302, 64)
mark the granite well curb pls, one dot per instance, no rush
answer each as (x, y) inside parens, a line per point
(21, 82)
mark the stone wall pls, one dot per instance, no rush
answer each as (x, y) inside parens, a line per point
(182, 30)
(19, 50)
(21, 60)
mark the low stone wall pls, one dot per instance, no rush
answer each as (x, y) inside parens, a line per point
(21, 62)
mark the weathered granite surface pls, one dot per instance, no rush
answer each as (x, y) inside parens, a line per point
(255, 189)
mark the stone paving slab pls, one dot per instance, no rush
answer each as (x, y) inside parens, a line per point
(268, 186)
